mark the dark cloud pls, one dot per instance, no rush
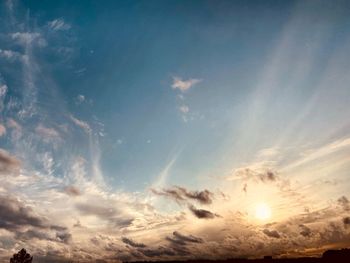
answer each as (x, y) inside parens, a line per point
(132, 243)
(181, 194)
(189, 238)
(72, 191)
(201, 213)
(305, 231)
(346, 220)
(271, 233)
(157, 252)
(344, 202)
(14, 215)
(64, 236)
(180, 239)
(257, 175)
(9, 165)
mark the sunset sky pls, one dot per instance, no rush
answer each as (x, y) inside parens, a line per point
(174, 129)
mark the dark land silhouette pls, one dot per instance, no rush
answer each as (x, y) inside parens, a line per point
(332, 256)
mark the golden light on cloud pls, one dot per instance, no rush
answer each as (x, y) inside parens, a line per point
(263, 211)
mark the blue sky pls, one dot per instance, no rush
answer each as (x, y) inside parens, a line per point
(126, 105)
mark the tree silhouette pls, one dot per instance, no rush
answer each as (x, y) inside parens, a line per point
(21, 257)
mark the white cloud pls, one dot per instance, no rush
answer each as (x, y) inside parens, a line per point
(3, 92)
(184, 109)
(26, 38)
(82, 124)
(11, 55)
(184, 85)
(59, 24)
(80, 99)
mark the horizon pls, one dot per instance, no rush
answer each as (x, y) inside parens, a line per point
(174, 130)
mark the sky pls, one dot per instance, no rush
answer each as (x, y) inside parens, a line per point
(162, 130)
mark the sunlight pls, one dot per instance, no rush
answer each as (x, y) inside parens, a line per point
(262, 211)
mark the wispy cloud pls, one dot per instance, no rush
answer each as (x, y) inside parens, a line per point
(181, 194)
(184, 85)
(27, 38)
(59, 24)
(48, 134)
(81, 124)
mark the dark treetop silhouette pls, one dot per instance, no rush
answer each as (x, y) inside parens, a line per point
(21, 257)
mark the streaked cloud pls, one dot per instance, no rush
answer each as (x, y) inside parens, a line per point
(59, 24)
(202, 213)
(184, 85)
(181, 194)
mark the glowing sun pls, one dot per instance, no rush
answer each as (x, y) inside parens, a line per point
(262, 211)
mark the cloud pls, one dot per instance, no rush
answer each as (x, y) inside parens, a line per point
(114, 216)
(59, 24)
(271, 233)
(262, 175)
(184, 109)
(27, 38)
(9, 165)
(157, 252)
(184, 85)
(180, 194)
(201, 213)
(3, 92)
(181, 239)
(80, 99)
(72, 191)
(2, 130)
(82, 124)
(47, 134)
(305, 231)
(11, 55)
(346, 220)
(15, 215)
(132, 243)
(344, 202)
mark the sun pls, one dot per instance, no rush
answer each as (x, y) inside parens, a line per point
(262, 211)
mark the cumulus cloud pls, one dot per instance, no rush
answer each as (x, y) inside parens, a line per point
(15, 215)
(201, 213)
(305, 231)
(271, 233)
(184, 85)
(181, 194)
(9, 165)
(59, 24)
(132, 243)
